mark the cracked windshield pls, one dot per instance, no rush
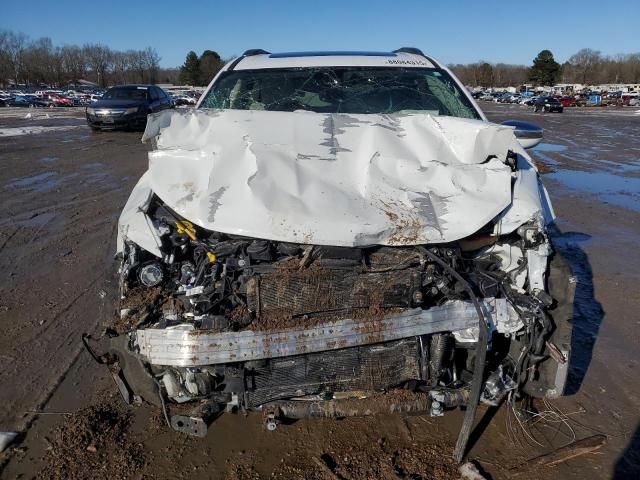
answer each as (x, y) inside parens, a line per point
(341, 90)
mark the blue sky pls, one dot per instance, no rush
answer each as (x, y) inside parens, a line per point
(452, 31)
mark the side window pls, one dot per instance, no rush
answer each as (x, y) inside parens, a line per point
(153, 94)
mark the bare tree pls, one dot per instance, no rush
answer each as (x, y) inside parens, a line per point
(15, 44)
(485, 74)
(151, 61)
(73, 62)
(99, 59)
(585, 62)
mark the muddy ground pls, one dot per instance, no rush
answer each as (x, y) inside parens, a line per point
(62, 189)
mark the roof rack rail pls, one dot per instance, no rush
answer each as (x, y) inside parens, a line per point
(248, 53)
(415, 51)
(255, 51)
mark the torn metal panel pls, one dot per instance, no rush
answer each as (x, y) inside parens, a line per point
(134, 224)
(188, 347)
(530, 198)
(331, 179)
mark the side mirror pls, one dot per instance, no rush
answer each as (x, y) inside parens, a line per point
(528, 134)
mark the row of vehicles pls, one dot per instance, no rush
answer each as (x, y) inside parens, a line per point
(542, 103)
(577, 100)
(71, 98)
(47, 98)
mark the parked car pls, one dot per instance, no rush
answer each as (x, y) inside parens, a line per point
(528, 101)
(61, 100)
(184, 100)
(323, 225)
(548, 104)
(126, 106)
(29, 101)
(568, 101)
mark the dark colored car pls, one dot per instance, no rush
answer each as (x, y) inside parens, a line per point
(127, 106)
(27, 101)
(548, 104)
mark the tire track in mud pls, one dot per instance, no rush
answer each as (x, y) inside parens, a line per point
(57, 248)
(9, 237)
(68, 345)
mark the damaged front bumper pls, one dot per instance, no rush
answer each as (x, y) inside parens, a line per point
(185, 346)
(209, 328)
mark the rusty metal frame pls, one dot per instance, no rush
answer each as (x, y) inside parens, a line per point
(185, 347)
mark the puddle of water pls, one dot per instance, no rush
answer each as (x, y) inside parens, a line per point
(32, 130)
(549, 147)
(540, 151)
(615, 189)
(623, 167)
(40, 183)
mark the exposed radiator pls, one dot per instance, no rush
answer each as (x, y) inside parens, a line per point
(372, 367)
(313, 291)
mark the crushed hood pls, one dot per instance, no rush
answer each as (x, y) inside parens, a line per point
(330, 179)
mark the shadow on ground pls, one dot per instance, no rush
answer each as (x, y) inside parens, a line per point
(628, 465)
(587, 311)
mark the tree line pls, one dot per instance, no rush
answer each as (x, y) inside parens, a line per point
(29, 62)
(25, 61)
(587, 66)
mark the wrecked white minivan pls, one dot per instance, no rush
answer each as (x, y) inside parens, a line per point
(336, 234)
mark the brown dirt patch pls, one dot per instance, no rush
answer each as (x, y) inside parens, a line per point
(354, 461)
(542, 167)
(94, 443)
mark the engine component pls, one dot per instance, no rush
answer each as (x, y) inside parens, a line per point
(497, 386)
(443, 399)
(441, 349)
(196, 422)
(151, 274)
(374, 367)
(398, 401)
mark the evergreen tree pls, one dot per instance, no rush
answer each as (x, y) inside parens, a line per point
(190, 71)
(210, 64)
(545, 70)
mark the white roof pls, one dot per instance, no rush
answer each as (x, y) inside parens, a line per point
(333, 59)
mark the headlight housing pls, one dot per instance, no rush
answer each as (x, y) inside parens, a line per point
(151, 274)
(131, 110)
